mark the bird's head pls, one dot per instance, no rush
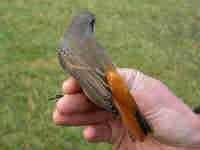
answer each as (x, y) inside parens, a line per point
(84, 20)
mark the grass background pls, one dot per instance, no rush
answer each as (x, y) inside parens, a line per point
(160, 38)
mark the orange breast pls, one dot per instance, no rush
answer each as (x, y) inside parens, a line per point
(125, 103)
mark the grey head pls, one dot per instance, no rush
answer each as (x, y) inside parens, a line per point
(83, 20)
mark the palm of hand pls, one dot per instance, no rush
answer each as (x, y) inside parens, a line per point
(170, 117)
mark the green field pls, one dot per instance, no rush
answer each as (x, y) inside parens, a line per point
(159, 38)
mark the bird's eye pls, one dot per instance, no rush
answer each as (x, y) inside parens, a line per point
(92, 22)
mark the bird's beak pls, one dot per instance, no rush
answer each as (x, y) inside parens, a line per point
(92, 25)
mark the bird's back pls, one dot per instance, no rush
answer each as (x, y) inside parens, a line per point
(84, 58)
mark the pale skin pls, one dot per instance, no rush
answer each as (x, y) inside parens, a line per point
(176, 127)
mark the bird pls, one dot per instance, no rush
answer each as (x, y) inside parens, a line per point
(85, 59)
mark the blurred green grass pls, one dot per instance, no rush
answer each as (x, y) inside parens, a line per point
(159, 38)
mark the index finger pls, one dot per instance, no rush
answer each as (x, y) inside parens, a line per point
(71, 86)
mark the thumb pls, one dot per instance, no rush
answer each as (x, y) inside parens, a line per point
(142, 87)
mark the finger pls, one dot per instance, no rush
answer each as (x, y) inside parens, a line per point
(98, 133)
(71, 86)
(76, 103)
(126, 72)
(79, 119)
(128, 75)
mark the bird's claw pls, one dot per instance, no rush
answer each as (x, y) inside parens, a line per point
(56, 97)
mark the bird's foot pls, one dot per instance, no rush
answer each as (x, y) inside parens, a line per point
(56, 97)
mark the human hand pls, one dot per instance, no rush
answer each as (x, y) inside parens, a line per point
(174, 123)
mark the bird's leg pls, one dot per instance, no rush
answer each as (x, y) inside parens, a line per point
(56, 97)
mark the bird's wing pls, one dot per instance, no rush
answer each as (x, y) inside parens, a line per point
(91, 79)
